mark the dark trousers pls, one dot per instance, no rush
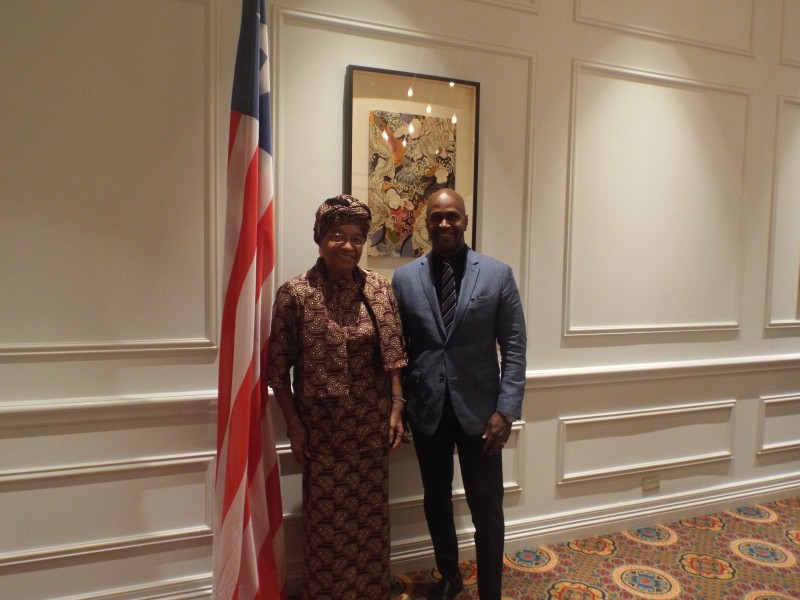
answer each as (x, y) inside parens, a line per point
(482, 475)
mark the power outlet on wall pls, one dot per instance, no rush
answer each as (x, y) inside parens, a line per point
(650, 483)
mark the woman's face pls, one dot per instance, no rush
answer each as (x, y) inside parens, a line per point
(340, 249)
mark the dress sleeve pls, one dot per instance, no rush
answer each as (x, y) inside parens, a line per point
(392, 341)
(283, 338)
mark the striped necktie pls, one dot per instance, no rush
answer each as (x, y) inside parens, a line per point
(448, 295)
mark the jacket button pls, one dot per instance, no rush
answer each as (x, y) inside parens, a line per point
(441, 376)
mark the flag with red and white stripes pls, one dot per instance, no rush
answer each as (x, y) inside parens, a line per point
(249, 558)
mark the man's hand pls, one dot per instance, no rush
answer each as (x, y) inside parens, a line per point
(498, 430)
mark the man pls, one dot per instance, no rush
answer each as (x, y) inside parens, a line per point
(457, 394)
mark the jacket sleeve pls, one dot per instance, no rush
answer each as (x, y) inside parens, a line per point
(512, 340)
(397, 290)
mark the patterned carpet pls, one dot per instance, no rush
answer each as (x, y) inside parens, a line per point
(750, 553)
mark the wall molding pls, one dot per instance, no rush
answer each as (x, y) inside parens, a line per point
(97, 547)
(660, 35)
(658, 326)
(282, 15)
(788, 12)
(564, 476)
(772, 321)
(54, 412)
(654, 328)
(768, 402)
(206, 343)
(186, 588)
(197, 461)
(643, 467)
(190, 461)
(531, 6)
(114, 349)
(783, 324)
(91, 412)
(610, 374)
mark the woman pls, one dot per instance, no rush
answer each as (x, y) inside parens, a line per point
(338, 328)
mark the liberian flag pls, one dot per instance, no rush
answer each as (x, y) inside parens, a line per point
(249, 560)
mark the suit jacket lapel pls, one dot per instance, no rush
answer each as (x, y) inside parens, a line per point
(471, 270)
(426, 279)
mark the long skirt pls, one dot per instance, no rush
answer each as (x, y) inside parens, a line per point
(346, 527)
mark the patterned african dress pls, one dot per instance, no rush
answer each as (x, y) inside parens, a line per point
(340, 338)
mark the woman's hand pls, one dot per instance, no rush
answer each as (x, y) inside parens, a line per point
(397, 432)
(298, 438)
(295, 429)
(396, 429)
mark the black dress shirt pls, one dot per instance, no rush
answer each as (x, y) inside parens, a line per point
(457, 261)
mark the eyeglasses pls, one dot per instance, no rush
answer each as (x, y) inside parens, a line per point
(340, 239)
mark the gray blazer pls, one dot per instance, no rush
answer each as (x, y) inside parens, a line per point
(488, 316)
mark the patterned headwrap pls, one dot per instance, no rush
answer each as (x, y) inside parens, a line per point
(341, 210)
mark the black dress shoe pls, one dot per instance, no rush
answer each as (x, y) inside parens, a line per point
(446, 589)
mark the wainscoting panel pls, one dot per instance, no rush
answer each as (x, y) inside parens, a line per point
(790, 40)
(90, 485)
(150, 571)
(108, 505)
(614, 444)
(107, 178)
(780, 424)
(654, 224)
(683, 21)
(784, 297)
(110, 430)
(526, 5)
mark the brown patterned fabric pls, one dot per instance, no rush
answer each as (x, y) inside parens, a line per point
(326, 331)
(341, 210)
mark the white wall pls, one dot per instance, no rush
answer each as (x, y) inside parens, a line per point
(113, 158)
(637, 168)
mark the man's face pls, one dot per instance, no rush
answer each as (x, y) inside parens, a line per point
(446, 222)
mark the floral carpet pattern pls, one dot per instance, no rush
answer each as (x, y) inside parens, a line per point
(750, 553)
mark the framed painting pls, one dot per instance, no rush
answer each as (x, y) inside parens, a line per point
(407, 135)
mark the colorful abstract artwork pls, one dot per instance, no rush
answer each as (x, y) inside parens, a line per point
(410, 157)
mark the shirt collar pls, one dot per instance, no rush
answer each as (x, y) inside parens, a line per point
(457, 260)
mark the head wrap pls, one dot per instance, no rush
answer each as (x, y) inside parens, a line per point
(341, 210)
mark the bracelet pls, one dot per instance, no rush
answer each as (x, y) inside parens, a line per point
(399, 399)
